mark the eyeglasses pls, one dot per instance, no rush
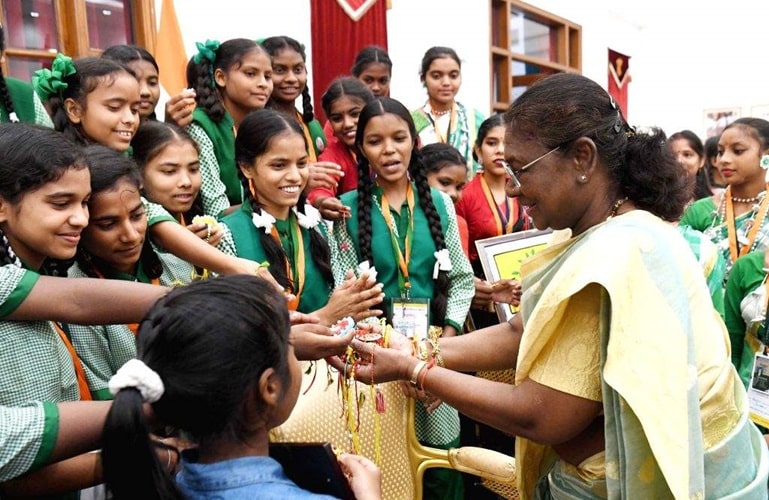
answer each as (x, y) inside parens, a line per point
(512, 173)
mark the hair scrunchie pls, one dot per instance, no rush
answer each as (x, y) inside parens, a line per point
(48, 82)
(136, 375)
(206, 51)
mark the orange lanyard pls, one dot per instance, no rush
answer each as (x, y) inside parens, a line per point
(311, 156)
(504, 224)
(298, 259)
(403, 262)
(82, 383)
(731, 226)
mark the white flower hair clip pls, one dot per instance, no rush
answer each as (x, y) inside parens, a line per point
(310, 218)
(263, 221)
(442, 262)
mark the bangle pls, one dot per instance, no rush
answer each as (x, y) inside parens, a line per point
(423, 374)
(415, 372)
(168, 464)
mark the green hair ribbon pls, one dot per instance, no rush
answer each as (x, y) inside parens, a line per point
(49, 82)
(206, 51)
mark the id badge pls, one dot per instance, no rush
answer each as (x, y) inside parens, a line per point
(758, 390)
(411, 317)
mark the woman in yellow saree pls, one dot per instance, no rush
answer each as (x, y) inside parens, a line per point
(624, 386)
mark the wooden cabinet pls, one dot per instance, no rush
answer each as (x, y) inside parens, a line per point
(527, 44)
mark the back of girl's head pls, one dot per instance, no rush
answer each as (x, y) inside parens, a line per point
(209, 355)
(434, 53)
(695, 143)
(561, 108)
(758, 128)
(201, 68)
(381, 107)
(90, 72)
(711, 149)
(371, 54)
(439, 155)
(345, 86)
(128, 53)
(497, 120)
(274, 45)
(153, 137)
(33, 156)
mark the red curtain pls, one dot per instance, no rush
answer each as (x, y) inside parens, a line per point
(337, 39)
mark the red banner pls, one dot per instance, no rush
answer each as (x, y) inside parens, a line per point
(619, 78)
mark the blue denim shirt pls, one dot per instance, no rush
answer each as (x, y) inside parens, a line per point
(240, 478)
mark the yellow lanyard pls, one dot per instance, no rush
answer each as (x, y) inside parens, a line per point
(403, 262)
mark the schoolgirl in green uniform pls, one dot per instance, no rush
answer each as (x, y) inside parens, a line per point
(230, 80)
(275, 225)
(289, 77)
(408, 232)
(115, 246)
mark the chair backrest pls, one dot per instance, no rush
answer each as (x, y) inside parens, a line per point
(317, 417)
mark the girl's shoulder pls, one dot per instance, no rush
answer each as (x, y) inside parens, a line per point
(700, 214)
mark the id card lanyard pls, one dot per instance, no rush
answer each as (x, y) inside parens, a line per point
(404, 283)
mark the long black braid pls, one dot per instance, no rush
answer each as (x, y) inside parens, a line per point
(4, 94)
(379, 107)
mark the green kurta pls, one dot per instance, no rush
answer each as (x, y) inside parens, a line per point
(222, 137)
(245, 242)
(742, 313)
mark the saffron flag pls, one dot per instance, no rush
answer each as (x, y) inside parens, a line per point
(619, 78)
(169, 51)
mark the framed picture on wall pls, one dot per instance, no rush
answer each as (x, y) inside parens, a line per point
(502, 256)
(716, 120)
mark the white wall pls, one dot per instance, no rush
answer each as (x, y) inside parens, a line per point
(686, 57)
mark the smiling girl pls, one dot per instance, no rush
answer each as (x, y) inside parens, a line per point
(91, 100)
(735, 220)
(115, 246)
(275, 226)
(230, 80)
(443, 118)
(342, 102)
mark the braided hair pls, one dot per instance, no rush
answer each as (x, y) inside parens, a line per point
(255, 136)
(4, 94)
(108, 168)
(273, 45)
(32, 157)
(200, 75)
(207, 379)
(379, 107)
